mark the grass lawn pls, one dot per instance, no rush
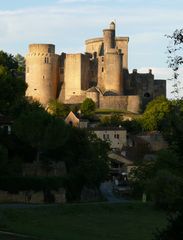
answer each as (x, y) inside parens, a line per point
(10, 237)
(102, 221)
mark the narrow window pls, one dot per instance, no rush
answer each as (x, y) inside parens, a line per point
(102, 69)
(46, 60)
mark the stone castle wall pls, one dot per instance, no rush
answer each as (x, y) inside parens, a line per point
(68, 77)
(31, 196)
(159, 88)
(124, 103)
(96, 45)
(76, 75)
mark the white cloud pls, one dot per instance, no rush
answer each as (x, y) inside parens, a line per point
(69, 22)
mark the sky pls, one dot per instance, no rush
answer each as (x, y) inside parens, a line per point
(68, 23)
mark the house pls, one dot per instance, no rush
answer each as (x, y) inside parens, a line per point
(116, 136)
(75, 121)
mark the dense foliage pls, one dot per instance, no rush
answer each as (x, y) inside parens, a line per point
(42, 136)
(88, 107)
(155, 113)
(174, 130)
(58, 109)
(175, 59)
(12, 86)
(161, 178)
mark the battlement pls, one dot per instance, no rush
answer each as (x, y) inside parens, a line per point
(42, 48)
(40, 54)
(101, 39)
(101, 73)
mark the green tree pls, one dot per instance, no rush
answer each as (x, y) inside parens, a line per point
(175, 59)
(30, 127)
(173, 127)
(42, 132)
(115, 120)
(58, 109)
(21, 63)
(12, 87)
(155, 114)
(87, 163)
(173, 230)
(24, 105)
(88, 107)
(8, 61)
(160, 178)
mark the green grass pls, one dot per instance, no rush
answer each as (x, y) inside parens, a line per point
(10, 237)
(103, 221)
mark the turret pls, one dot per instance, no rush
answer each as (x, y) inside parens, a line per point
(109, 37)
(42, 72)
(112, 80)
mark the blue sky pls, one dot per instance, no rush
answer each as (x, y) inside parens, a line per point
(68, 23)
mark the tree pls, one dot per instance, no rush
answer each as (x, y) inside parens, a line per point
(8, 61)
(30, 127)
(87, 163)
(58, 109)
(173, 230)
(155, 113)
(173, 127)
(24, 105)
(3, 160)
(161, 179)
(175, 58)
(12, 87)
(21, 63)
(88, 107)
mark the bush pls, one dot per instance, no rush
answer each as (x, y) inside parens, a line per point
(88, 107)
(174, 229)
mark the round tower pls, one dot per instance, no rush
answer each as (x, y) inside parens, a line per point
(42, 72)
(113, 79)
(109, 37)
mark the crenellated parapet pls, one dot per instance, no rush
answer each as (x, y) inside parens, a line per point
(101, 73)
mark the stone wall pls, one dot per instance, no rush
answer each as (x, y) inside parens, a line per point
(96, 45)
(124, 103)
(76, 75)
(134, 104)
(122, 44)
(114, 102)
(31, 197)
(159, 88)
(37, 169)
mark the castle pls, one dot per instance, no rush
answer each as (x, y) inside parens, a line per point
(101, 73)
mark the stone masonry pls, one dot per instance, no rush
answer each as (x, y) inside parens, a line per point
(101, 73)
